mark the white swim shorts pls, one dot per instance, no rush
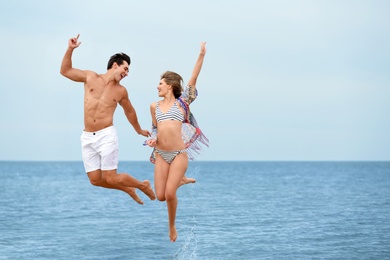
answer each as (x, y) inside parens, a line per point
(100, 149)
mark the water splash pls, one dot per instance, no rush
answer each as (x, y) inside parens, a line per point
(190, 245)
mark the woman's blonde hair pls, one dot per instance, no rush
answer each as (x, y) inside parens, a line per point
(175, 80)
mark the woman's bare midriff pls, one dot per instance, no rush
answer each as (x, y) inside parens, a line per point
(169, 136)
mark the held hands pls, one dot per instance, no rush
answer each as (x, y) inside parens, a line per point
(74, 43)
(151, 142)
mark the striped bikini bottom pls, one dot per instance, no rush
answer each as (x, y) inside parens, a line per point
(169, 156)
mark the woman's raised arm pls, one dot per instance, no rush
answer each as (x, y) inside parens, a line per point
(198, 65)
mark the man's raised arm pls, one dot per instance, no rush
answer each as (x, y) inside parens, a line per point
(66, 66)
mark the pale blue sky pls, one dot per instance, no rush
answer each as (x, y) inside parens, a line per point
(282, 80)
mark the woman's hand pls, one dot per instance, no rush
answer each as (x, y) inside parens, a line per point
(151, 142)
(202, 48)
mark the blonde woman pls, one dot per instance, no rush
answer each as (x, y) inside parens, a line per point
(175, 136)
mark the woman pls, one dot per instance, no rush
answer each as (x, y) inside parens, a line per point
(175, 136)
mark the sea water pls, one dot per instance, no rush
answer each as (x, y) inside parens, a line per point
(236, 210)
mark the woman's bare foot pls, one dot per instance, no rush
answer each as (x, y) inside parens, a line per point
(133, 194)
(147, 189)
(172, 234)
(186, 180)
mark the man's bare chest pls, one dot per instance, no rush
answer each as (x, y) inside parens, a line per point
(105, 94)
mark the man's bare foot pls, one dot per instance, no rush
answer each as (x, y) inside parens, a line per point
(147, 189)
(133, 194)
(172, 234)
(186, 180)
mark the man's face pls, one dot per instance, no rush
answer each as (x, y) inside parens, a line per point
(121, 71)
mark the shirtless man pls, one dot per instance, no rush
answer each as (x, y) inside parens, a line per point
(99, 141)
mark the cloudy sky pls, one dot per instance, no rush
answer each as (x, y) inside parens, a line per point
(282, 80)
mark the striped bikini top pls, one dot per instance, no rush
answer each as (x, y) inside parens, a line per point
(174, 113)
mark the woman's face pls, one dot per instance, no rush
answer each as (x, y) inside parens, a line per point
(163, 88)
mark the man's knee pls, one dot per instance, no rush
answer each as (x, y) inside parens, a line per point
(95, 182)
(95, 178)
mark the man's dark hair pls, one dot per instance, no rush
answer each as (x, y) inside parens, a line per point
(118, 58)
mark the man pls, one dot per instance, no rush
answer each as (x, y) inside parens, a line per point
(99, 141)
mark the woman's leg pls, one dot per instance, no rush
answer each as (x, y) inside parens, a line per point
(177, 170)
(161, 168)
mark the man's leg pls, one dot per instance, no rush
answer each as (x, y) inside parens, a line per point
(123, 180)
(107, 158)
(99, 178)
